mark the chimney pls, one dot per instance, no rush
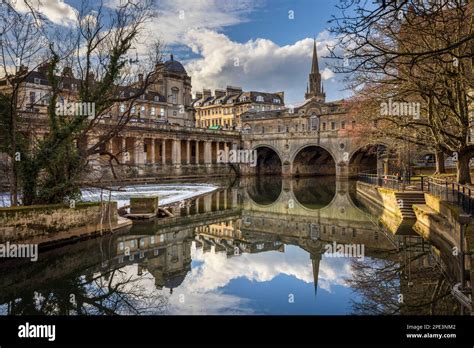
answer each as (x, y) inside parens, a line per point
(206, 93)
(199, 95)
(67, 71)
(218, 93)
(23, 69)
(282, 96)
(43, 68)
(233, 90)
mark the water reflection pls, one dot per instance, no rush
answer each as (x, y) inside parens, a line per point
(257, 247)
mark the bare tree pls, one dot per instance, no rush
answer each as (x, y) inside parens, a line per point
(413, 52)
(94, 56)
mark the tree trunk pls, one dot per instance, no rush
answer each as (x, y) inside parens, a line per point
(440, 168)
(463, 170)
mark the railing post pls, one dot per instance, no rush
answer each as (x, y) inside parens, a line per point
(422, 189)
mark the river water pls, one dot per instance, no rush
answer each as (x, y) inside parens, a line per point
(258, 246)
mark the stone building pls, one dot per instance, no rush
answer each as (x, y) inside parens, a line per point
(225, 107)
(314, 137)
(167, 100)
(314, 114)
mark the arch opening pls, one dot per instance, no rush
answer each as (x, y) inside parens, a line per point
(369, 159)
(268, 162)
(312, 161)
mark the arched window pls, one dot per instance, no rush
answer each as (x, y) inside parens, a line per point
(314, 123)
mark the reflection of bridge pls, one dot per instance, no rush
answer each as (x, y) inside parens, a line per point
(230, 221)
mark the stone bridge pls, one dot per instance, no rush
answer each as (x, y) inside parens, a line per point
(309, 153)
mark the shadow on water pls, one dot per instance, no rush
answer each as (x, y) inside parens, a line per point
(216, 257)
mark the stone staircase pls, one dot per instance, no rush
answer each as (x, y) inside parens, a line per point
(405, 201)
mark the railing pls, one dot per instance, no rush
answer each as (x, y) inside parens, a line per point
(389, 181)
(448, 191)
(451, 192)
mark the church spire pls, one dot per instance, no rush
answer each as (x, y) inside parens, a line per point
(315, 65)
(316, 89)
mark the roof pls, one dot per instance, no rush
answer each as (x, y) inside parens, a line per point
(174, 66)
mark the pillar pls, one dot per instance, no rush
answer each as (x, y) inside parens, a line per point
(188, 152)
(163, 151)
(152, 151)
(207, 152)
(197, 152)
(176, 152)
(123, 150)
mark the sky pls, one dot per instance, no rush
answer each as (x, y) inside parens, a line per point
(259, 45)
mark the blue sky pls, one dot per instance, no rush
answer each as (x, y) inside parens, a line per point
(253, 44)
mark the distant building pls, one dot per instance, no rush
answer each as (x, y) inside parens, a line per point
(312, 115)
(225, 107)
(167, 100)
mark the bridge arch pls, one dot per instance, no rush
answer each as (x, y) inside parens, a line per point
(367, 159)
(313, 159)
(269, 160)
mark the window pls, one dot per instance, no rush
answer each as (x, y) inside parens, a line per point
(276, 101)
(37, 81)
(32, 98)
(157, 98)
(142, 110)
(314, 123)
(260, 99)
(153, 111)
(324, 126)
(174, 95)
(162, 112)
(134, 109)
(122, 107)
(333, 125)
(243, 98)
(343, 125)
(353, 124)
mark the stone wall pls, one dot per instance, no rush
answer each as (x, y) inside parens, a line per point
(43, 224)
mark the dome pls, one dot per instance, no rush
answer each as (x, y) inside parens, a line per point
(174, 66)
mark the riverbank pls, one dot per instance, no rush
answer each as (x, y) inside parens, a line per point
(50, 225)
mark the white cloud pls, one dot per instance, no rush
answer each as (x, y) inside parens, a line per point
(57, 11)
(254, 65)
(327, 74)
(202, 290)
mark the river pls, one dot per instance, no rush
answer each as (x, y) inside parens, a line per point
(258, 246)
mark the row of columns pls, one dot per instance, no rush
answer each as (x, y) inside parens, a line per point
(142, 151)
